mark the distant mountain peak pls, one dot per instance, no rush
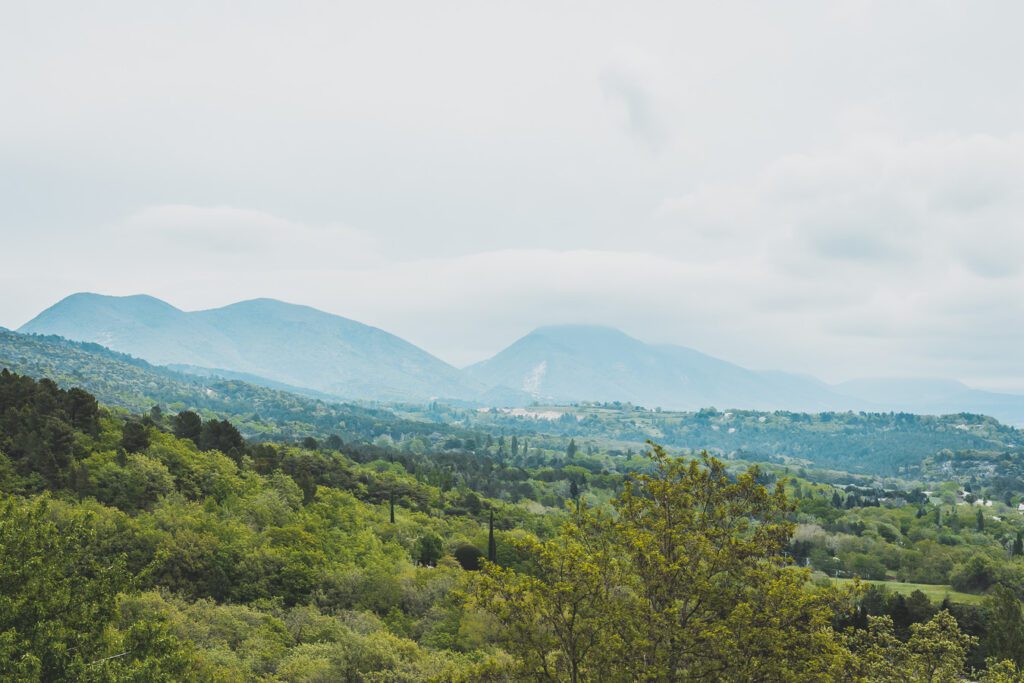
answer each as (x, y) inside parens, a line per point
(287, 343)
(93, 298)
(578, 328)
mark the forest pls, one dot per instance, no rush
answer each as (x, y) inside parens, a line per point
(167, 545)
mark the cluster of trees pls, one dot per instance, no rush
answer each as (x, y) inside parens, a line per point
(969, 546)
(38, 426)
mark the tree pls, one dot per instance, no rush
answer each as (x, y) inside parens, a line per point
(492, 546)
(935, 652)
(686, 581)
(429, 549)
(83, 410)
(188, 425)
(973, 576)
(1004, 638)
(571, 449)
(221, 435)
(979, 520)
(468, 556)
(134, 437)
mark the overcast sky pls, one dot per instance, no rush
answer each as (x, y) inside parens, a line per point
(834, 188)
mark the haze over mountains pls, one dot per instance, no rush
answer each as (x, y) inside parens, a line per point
(272, 342)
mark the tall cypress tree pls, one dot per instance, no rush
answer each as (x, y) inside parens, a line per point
(492, 546)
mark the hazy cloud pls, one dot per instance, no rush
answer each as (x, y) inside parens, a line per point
(630, 81)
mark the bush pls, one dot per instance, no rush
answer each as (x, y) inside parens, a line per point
(469, 556)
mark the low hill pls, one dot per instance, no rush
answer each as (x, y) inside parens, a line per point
(125, 382)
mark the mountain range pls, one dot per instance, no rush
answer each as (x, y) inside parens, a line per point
(270, 342)
(261, 338)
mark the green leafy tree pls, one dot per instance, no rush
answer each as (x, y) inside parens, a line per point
(1004, 619)
(571, 449)
(934, 653)
(429, 549)
(686, 581)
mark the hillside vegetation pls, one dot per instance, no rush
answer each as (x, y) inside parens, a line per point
(164, 546)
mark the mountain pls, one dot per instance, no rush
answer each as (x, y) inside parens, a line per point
(300, 349)
(263, 338)
(567, 363)
(591, 363)
(934, 396)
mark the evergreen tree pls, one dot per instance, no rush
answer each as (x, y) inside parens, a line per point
(492, 546)
(134, 437)
(188, 425)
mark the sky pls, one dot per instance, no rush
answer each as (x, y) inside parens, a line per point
(832, 188)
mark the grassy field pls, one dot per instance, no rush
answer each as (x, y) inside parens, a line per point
(936, 592)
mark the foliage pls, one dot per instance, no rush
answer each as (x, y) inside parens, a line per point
(58, 606)
(164, 546)
(685, 581)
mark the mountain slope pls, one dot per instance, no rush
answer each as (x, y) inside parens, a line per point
(934, 396)
(122, 381)
(286, 343)
(589, 363)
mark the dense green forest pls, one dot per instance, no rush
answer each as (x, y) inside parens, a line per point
(889, 444)
(164, 545)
